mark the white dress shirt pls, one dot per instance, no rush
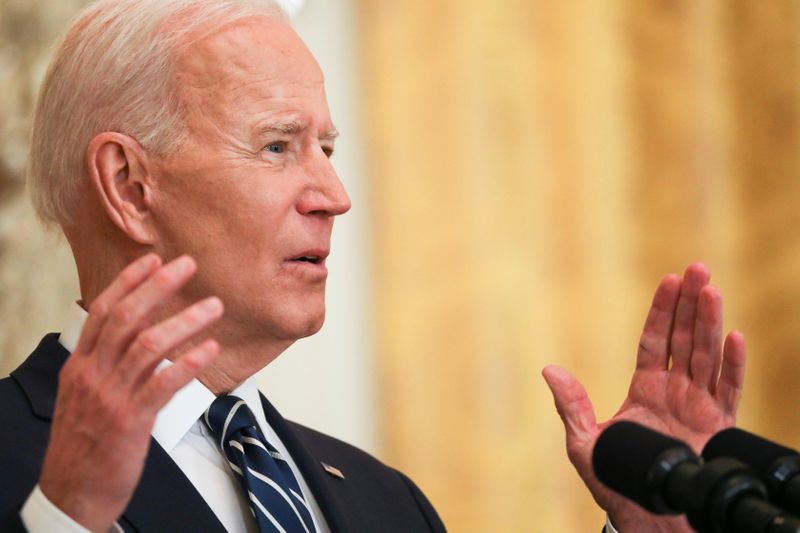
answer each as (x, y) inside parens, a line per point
(179, 430)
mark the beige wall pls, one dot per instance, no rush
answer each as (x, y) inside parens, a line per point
(535, 168)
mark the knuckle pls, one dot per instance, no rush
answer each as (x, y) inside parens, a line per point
(124, 314)
(644, 349)
(651, 343)
(149, 341)
(166, 380)
(128, 277)
(83, 379)
(192, 365)
(99, 307)
(124, 420)
(163, 279)
(105, 401)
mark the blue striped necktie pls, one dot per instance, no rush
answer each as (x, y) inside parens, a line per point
(274, 495)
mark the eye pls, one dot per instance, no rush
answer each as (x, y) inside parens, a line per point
(328, 150)
(276, 147)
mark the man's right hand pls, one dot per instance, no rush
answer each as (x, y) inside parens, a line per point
(109, 393)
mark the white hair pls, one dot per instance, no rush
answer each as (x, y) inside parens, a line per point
(113, 71)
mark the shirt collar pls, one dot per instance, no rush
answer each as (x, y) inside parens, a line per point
(73, 324)
(186, 407)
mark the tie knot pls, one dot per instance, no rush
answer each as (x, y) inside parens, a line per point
(227, 416)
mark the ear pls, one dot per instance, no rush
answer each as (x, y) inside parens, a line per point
(119, 174)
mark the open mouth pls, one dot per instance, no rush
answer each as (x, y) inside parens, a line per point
(308, 259)
(312, 256)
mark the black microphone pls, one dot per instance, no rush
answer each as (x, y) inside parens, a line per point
(636, 462)
(778, 466)
(665, 476)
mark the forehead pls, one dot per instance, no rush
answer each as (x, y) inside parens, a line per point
(259, 65)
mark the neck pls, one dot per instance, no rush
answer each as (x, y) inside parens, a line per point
(238, 359)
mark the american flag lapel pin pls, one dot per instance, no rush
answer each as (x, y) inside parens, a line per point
(332, 470)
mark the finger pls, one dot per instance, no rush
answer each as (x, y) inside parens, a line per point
(572, 402)
(694, 279)
(125, 282)
(731, 377)
(707, 346)
(156, 342)
(130, 315)
(163, 384)
(654, 343)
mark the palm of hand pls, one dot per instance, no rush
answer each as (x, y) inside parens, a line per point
(673, 405)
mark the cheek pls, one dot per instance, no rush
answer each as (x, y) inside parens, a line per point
(262, 207)
(234, 215)
(252, 223)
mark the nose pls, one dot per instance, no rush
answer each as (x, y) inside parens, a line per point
(326, 195)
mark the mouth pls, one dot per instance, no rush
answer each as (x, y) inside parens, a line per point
(311, 257)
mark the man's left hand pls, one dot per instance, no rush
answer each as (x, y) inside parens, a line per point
(686, 384)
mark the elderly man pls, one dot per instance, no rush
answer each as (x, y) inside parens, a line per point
(183, 147)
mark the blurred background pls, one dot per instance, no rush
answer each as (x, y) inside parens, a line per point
(523, 174)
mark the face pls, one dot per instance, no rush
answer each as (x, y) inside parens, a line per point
(252, 194)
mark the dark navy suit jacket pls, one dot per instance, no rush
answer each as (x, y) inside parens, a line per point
(372, 497)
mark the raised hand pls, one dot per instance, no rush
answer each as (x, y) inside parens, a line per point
(109, 393)
(686, 384)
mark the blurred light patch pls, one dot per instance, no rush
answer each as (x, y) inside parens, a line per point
(292, 7)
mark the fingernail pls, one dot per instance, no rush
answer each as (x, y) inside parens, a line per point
(149, 261)
(208, 350)
(212, 305)
(184, 263)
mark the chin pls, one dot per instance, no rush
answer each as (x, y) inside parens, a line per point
(296, 320)
(314, 326)
(298, 327)
(284, 317)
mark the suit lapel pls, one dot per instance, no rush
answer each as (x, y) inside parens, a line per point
(37, 376)
(164, 499)
(322, 485)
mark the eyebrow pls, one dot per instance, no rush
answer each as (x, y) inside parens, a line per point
(330, 135)
(293, 128)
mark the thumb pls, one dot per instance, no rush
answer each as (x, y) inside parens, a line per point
(572, 402)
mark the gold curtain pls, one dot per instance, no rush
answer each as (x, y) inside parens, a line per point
(535, 167)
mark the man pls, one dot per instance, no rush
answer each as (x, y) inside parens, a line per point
(197, 131)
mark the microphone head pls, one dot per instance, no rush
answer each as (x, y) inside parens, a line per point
(635, 462)
(760, 453)
(777, 465)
